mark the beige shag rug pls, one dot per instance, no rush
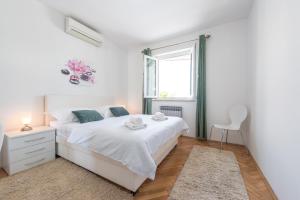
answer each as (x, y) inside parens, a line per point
(59, 180)
(209, 175)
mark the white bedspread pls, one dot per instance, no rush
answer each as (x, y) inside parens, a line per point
(133, 148)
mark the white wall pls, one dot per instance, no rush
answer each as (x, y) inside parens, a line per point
(274, 65)
(226, 74)
(34, 47)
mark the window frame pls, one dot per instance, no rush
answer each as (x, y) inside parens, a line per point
(192, 50)
(156, 77)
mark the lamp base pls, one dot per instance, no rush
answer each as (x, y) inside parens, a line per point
(26, 128)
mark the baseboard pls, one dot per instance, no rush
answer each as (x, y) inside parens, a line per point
(264, 179)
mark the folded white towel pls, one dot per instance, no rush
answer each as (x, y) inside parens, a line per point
(136, 120)
(135, 126)
(159, 115)
(159, 118)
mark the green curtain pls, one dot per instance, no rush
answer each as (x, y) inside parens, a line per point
(201, 125)
(147, 102)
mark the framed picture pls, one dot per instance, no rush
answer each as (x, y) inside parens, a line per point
(79, 73)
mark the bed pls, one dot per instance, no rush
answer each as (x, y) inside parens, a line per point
(108, 148)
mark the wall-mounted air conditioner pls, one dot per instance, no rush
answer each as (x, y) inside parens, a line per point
(83, 32)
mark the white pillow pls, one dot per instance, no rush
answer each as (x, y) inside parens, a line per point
(65, 115)
(105, 111)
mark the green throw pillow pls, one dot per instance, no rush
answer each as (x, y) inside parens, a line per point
(118, 111)
(85, 116)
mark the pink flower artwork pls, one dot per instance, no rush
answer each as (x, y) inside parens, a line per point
(79, 72)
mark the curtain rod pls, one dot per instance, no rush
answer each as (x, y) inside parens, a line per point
(206, 36)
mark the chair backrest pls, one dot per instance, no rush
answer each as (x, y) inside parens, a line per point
(238, 114)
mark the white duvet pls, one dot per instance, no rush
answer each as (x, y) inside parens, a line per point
(133, 148)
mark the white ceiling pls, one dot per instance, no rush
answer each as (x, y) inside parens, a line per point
(135, 22)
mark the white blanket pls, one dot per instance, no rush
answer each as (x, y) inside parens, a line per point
(133, 148)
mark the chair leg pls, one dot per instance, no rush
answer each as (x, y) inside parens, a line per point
(221, 142)
(211, 128)
(226, 136)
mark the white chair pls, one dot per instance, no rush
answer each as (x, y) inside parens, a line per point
(237, 115)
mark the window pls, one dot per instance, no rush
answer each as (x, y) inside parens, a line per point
(170, 75)
(150, 77)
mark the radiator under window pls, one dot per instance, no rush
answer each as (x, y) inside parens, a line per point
(171, 110)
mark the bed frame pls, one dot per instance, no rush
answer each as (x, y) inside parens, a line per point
(97, 163)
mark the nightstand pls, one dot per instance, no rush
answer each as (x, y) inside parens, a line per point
(23, 150)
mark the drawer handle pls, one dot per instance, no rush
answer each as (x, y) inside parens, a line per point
(40, 149)
(34, 140)
(35, 162)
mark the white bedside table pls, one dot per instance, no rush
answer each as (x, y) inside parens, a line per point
(23, 150)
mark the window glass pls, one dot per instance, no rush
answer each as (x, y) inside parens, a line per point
(175, 76)
(150, 77)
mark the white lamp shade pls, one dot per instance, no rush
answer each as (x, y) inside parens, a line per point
(26, 120)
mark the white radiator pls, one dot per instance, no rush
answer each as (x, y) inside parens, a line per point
(171, 110)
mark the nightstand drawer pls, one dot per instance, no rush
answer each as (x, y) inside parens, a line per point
(31, 162)
(24, 153)
(29, 140)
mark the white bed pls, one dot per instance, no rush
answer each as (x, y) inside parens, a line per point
(109, 149)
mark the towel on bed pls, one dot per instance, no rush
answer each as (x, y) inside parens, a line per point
(158, 116)
(135, 123)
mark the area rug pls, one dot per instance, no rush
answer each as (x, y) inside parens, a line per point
(209, 174)
(59, 180)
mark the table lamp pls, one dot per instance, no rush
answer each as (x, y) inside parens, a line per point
(26, 121)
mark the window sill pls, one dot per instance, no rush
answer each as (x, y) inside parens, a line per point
(176, 99)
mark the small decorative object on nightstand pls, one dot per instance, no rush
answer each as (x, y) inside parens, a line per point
(26, 121)
(23, 150)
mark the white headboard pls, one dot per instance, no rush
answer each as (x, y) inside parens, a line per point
(55, 102)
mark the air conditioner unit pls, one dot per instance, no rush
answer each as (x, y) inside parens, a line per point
(83, 32)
